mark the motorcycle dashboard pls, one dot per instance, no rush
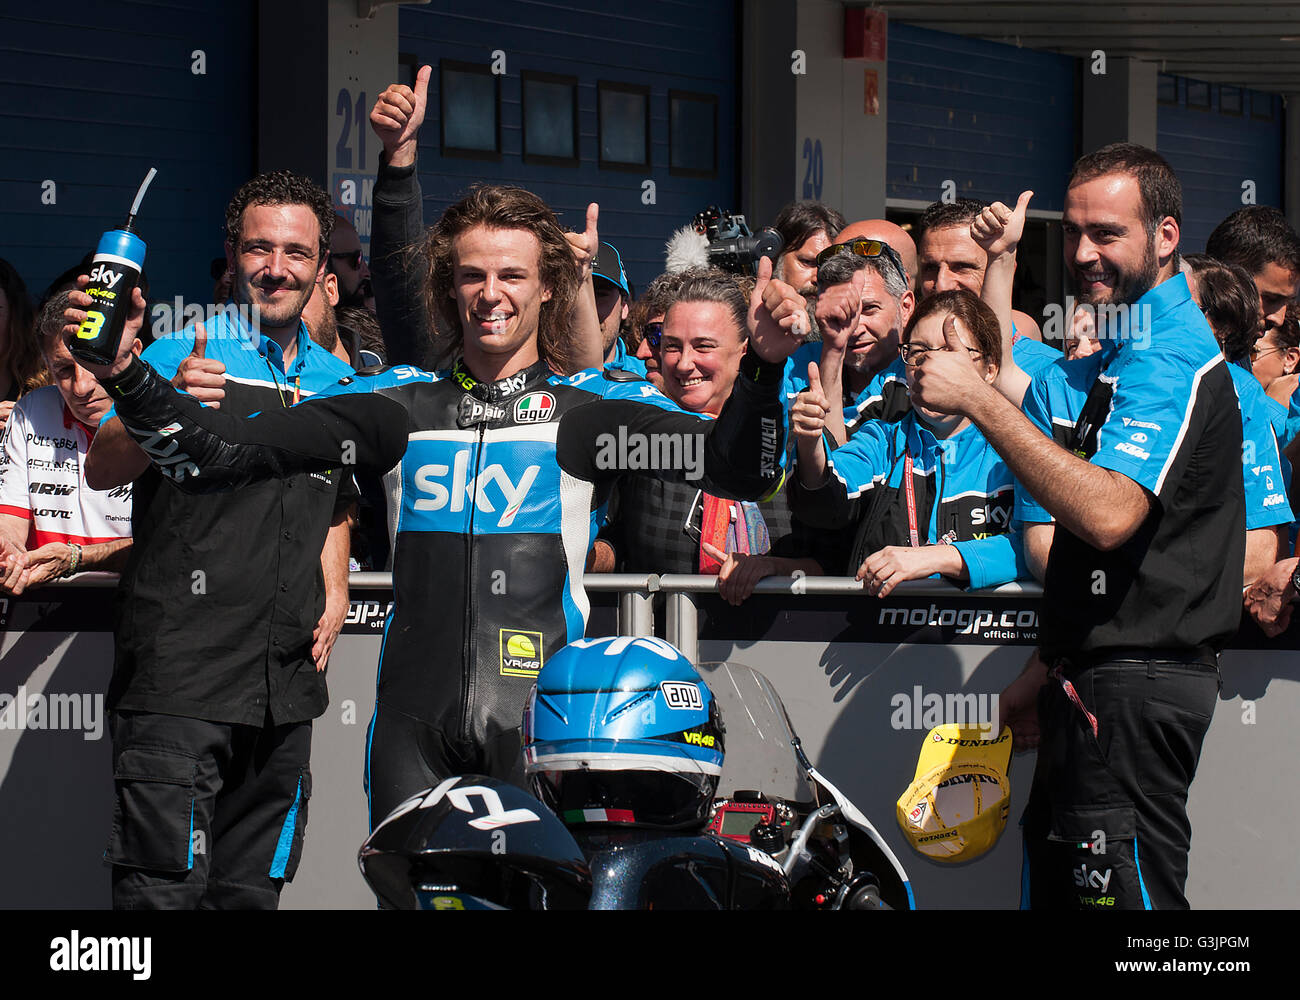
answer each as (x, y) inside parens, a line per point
(737, 819)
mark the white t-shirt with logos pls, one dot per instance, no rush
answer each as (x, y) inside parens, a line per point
(43, 479)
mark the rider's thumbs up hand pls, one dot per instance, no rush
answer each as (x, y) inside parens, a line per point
(397, 116)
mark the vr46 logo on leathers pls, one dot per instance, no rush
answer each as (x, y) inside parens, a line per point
(451, 488)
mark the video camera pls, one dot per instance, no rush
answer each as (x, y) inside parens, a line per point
(732, 245)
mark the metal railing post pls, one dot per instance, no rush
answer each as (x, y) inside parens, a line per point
(636, 614)
(683, 624)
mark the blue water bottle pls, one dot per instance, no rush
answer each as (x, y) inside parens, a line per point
(114, 273)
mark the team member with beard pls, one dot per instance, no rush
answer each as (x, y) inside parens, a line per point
(348, 265)
(849, 357)
(319, 317)
(1227, 299)
(1127, 450)
(230, 603)
(807, 228)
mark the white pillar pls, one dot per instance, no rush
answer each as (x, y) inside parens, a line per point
(808, 130)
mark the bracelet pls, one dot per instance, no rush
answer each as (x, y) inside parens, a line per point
(76, 560)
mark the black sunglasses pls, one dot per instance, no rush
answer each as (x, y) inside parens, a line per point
(653, 333)
(353, 257)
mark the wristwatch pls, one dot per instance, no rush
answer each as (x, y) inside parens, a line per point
(1295, 577)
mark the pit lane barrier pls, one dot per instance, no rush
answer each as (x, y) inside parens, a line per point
(859, 677)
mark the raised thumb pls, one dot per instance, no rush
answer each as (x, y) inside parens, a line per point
(814, 378)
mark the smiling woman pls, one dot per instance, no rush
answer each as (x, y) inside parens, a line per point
(659, 526)
(703, 341)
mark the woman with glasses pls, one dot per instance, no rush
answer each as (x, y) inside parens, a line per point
(928, 495)
(1275, 359)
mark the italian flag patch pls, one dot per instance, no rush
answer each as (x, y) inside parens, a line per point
(599, 816)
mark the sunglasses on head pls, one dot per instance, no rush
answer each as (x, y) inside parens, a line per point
(864, 247)
(353, 257)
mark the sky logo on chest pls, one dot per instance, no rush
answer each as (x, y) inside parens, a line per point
(502, 487)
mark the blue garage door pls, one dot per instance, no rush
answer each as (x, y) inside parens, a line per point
(626, 54)
(92, 95)
(1225, 144)
(992, 118)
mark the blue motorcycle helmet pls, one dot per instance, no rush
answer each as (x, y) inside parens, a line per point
(623, 731)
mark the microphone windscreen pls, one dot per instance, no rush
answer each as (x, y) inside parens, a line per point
(686, 249)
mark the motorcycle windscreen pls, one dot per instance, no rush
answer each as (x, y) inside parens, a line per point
(758, 734)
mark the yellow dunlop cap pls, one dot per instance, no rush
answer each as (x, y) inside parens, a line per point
(957, 805)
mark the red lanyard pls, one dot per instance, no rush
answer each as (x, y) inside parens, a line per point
(910, 491)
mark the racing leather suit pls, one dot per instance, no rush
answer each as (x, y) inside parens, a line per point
(495, 495)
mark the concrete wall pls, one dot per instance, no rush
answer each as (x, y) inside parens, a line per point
(767, 116)
(316, 54)
(807, 131)
(362, 63)
(56, 785)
